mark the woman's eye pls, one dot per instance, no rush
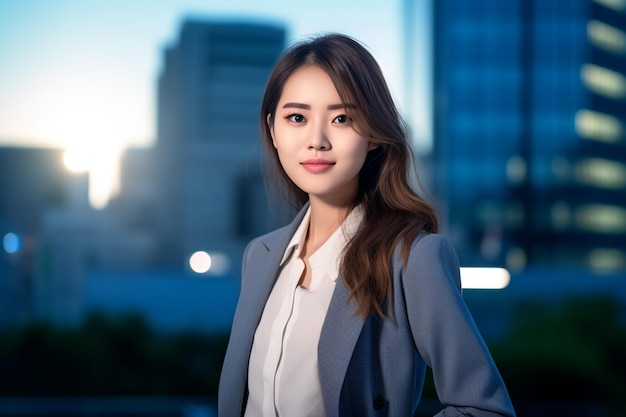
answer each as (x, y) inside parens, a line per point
(342, 119)
(296, 118)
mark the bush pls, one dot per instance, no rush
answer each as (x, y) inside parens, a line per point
(571, 352)
(107, 357)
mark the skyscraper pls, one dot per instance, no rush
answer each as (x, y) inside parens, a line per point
(530, 122)
(32, 182)
(209, 93)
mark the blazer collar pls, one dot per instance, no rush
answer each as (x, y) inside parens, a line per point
(266, 266)
(342, 325)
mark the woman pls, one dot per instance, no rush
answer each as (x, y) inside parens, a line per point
(341, 311)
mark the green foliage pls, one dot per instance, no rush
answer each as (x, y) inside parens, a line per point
(108, 357)
(571, 352)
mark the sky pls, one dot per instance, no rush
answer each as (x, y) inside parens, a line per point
(81, 75)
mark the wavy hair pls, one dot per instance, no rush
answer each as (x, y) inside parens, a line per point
(393, 211)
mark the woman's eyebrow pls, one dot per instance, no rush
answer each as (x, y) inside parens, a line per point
(296, 106)
(341, 106)
(308, 107)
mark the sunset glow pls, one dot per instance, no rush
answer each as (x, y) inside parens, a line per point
(83, 76)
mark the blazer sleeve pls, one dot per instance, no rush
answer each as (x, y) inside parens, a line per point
(233, 378)
(465, 375)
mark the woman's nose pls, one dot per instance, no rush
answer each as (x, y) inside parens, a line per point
(318, 139)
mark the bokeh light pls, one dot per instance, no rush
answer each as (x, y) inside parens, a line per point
(209, 263)
(485, 278)
(11, 243)
(200, 262)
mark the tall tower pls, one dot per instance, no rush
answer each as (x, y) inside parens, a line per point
(530, 121)
(209, 95)
(33, 182)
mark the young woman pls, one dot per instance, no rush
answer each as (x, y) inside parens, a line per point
(341, 311)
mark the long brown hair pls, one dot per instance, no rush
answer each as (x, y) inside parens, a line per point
(393, 211)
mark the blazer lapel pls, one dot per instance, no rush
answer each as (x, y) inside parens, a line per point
(340, 332)
(261, 265)
(264, 266)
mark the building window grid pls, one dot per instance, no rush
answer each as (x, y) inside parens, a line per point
(553, 124)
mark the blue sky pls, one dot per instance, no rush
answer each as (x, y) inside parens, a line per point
(82, 74)
(58, 55)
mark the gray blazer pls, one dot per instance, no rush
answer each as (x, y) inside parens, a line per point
(376, 367)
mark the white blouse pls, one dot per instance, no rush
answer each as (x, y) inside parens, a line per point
(283, 377)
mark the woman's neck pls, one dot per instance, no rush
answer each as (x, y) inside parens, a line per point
(325, 219)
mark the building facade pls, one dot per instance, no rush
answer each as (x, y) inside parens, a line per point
(32, 181)
(210, 192)
(530, 130)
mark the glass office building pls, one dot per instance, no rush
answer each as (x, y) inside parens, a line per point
(530, 122)
(209, 94)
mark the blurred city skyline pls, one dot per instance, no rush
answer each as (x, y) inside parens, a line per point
(527, 169)
(82, 76)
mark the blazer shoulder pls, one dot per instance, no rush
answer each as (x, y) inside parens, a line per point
(430, 253)
(432, 245)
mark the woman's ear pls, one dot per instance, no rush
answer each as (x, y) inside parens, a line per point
(372, 146)
(270, 125)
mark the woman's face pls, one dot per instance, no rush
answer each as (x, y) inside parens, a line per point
(315, 139)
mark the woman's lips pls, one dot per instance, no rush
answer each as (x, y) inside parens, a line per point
(317, 166)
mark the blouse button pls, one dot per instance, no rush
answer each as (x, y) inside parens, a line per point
(379, 402)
